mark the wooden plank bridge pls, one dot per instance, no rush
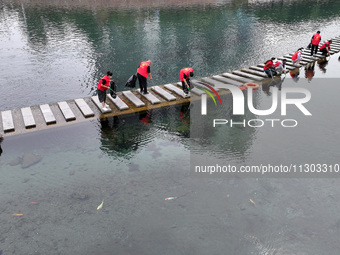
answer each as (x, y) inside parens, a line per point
(39, 117)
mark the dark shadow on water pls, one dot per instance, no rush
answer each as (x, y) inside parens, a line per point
(1, 139)
(121, 136)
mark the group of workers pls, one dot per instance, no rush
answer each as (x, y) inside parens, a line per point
(272, 68)
(143, 73)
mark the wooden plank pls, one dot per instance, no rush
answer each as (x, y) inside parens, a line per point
(216, 83)
(194, 90)
(176, 90)
(237, 77)
(257, 68)
(27, 115)
(163, 93)
(95, 100)
(201, 85)
(150, 97)
(227, 80)
(257, 73)
(135, 100)
(308, 56)
(66, 111)
(84, 107)
(118, 102)
(7, 121)
(48, 114)
(249, 76)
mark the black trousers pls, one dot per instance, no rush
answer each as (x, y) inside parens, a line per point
(314, 48)
(142, 83)
(324, 51)
(184, 87)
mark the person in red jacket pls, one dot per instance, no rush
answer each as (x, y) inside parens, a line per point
(297, 57)
(143, 72)
(103, 85)
(325, 48)
(185, 75)
(280, 67)
(315, 43)
(269, 68)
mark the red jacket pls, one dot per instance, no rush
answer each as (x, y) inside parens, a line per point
(143, 69)
(278, 63)
(316, 39)
(326, 44)
(268, 64)
(295, 56)
(100, 87)
(185, 73)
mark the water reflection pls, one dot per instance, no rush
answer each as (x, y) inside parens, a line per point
(295, 74)
(322, 63)
(309, 71)
(232, 139)
(274, 82)
(122, 136)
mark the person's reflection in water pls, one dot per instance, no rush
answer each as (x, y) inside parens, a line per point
(112, 138)
(295, 74)
(309, 71)
(322, 65)
(145, 118)
(276, 82)
(184, 113)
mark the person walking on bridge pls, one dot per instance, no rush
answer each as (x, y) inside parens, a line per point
(103, 85)
(143, 72)
(315, 43)
(325, 48)
(185, 75)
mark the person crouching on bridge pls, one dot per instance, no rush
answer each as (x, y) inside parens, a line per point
(297, 57)
(325, 48)
(269, 68)
(143, 72)
(185, 75)
(280, 67)
(103, 85)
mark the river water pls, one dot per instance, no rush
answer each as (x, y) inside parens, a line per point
(52, 182)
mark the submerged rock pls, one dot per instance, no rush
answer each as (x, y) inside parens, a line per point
(79, 196)
(30, 159)
(15, 161)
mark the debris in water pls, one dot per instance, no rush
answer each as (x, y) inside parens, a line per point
(34, 203)
(17, 214)
(251, 201)
(100, 206)
(170, 198)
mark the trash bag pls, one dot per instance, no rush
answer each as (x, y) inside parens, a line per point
(131, 82)
(309, 46)
(113, 88)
